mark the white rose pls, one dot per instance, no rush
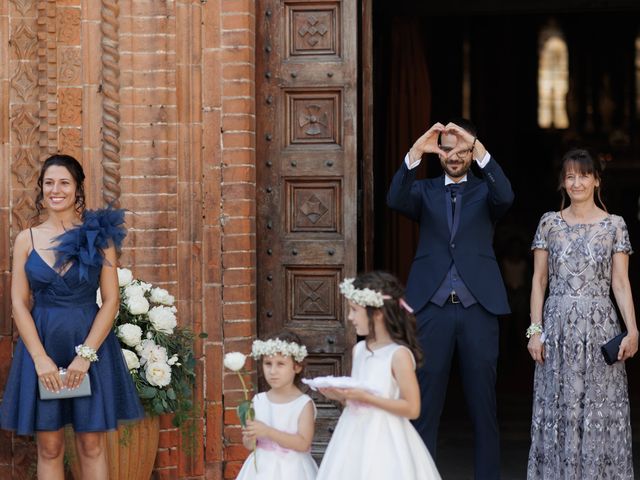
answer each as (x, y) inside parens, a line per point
(234, 361)
(145, 286)
(158, 374)
(163, 319)
(133, 363)
(173, 360)
(130, 334)
(160, 295)
(133, 290)
(125, 277)
(150, 352)
(137, 305)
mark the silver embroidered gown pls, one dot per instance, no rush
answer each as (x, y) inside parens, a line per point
(580, 427)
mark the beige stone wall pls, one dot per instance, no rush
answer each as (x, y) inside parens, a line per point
(157, 100)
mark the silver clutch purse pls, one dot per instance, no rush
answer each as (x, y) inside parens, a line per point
(83, 390)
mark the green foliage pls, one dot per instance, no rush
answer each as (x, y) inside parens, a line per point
(245, 412)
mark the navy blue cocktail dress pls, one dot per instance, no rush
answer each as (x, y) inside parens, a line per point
(64, 308)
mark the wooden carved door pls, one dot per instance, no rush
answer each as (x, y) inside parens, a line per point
(306, 96)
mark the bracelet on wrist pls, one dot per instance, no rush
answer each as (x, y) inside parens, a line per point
(86, 352)
(534, 329)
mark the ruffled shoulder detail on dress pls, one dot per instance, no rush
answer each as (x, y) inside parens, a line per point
(85, 243)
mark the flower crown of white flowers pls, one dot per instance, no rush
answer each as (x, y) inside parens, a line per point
(275, 345)
(365, 297)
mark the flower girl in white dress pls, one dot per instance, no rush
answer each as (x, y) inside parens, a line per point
(284, 417)
(374, 439)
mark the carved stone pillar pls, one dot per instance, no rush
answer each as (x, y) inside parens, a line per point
(110, 103)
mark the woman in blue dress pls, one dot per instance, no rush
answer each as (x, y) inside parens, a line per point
(57, 268)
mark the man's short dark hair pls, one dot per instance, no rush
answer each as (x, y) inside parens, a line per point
(465, 124)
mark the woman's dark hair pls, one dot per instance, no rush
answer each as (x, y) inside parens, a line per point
(290, 337)
(400, 324)
(75, 169)
(580, 161)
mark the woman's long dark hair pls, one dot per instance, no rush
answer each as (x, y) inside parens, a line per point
(400, 324)
(580, 161)
(75, 169)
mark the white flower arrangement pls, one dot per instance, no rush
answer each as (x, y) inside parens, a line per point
(274, 346)
(365, 297)
(158, 353)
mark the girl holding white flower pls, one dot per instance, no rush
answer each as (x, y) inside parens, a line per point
(374, 439)
(57, 269)
(282, 430)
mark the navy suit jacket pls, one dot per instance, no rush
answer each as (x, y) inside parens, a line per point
(468, 243)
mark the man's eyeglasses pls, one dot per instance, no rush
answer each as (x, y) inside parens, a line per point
(460, 154)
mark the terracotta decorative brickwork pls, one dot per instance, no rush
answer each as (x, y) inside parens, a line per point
(157, 99)
(20, 138)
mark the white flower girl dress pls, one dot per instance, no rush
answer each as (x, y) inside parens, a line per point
(274, 462)
(370, 443)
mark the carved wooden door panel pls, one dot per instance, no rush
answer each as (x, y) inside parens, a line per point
(306, 108)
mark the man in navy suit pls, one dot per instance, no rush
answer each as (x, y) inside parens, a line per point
(454, 285)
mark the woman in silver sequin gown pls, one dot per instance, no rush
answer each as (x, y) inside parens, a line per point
(580, 427)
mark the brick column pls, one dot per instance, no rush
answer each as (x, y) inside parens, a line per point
(229, 229)
(149, 167)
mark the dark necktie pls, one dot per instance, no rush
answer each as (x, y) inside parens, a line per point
(454, 188)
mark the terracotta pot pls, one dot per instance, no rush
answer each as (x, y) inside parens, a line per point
(131, 450)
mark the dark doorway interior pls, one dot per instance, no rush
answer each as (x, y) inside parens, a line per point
(493, 53)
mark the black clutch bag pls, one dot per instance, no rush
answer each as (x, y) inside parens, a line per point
(611, 348)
